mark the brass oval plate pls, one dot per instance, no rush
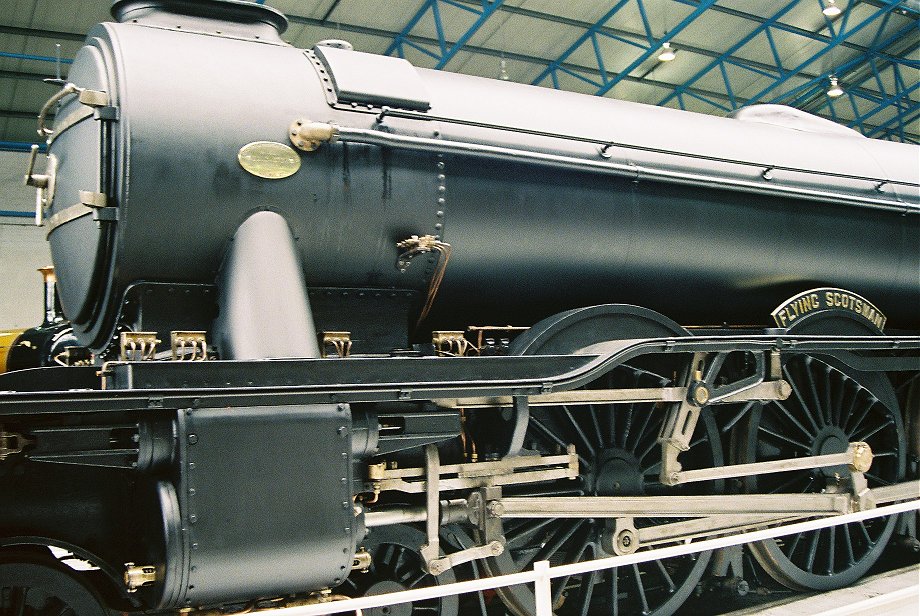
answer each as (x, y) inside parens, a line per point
(269, 159)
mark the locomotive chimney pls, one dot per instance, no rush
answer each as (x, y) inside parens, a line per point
(230, 17)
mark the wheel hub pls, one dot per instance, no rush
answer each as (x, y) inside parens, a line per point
(388, 586)
(830, 440)
(618, 473)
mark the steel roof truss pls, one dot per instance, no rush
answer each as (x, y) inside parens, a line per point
(446, 50)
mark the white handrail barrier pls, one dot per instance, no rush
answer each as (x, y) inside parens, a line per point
(543, 573)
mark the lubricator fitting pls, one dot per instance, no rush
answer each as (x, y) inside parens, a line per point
(139, 576)
(308, 136)
(862, 457)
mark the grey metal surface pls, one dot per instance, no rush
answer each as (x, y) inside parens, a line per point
(369, 78)
(253, 525)
(528, 239)
(264, 308)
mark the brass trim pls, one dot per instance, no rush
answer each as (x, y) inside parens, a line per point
(138, 346)
(188, 345)
(269, 159)
(450, 344)
(825, 299)
(138, 576)
(12, 443)
(308, 135)
(340, 343)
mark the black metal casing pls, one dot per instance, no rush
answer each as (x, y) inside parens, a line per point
(528, 239)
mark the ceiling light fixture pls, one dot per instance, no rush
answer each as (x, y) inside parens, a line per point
(835, 90)
(503, 70)
(667, 54)
(831, 9)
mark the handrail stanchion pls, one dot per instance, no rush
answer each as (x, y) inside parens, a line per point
(541, 587)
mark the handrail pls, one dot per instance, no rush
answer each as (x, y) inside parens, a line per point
(629, 170)
(543, 572)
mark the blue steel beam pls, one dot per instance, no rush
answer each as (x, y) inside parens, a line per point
(597, 29)
(814, 86)
(726, 57)
(895, 126)
(868, 66)
(446, 51)
(909, 7)
(26, 56)
(794, 97)
(843, 32)
(20, 146)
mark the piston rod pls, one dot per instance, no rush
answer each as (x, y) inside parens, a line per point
(672, 506)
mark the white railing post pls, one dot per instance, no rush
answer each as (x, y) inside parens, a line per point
(541, 587)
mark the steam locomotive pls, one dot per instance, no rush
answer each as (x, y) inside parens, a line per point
(357, 327)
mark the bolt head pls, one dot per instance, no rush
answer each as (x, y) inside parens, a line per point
(701, 395)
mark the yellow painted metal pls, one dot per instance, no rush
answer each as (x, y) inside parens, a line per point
(7, 339)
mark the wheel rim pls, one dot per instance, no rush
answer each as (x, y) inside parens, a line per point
(397, 565)
(35, 585)
(829, 408)
(619, 455)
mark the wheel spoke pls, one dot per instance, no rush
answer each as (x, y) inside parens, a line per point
(828, 407)
(848, 541)
(386, 560)
(794, 545)
(837, 403)
(547, 551)
(581, 433)
(665, 576)
(641, 588)
(865, 412)
(588, 592)
(612, 426)
(592, 413)
(627, 425)
(818, 407)
(614, 591)
(727, 426)
(796, 478)
(884, 454)
(573, 557)
(648, 450)
(798, 395)
(866, 435)
(411, 579)
(793, 420)
(812, 550)
(878, 480)
(801, 446)
(703, 438)
(865, 532)
(519, 535)
(549, 434)
(641, 432)
(830, 550)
